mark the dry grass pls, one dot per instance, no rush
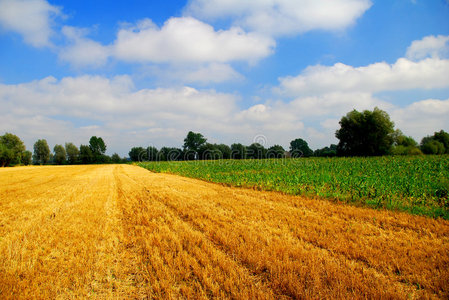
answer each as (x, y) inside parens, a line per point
(121, 231)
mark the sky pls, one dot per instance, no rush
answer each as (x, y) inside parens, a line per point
(144, 73)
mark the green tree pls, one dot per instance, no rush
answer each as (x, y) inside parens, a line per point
(225, 151)
(60, 155)
(170, 154)
(238, 151)
(27, 157)
(72, 152)
(404, 145)
(86, 156)
(300, 148)
(138, 154)
(98, 148)
(256, 151)
(443, 138)
(366, 133)
(209, 151)
(330, 151)
(15, 145)
(276, 151)
(192, 144)
(41, 152)
(152, 153)
(431, 146)
(116, 159)
(6, 155)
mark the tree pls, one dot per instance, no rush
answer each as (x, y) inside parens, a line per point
(152, 153)
(138, 154)
(404, 145)
(330, 151)
(238, 151)
(443, 138)
(6, 155)
(431, 146)
(72, 152)
(41, 152)
(27, 157)
(300, 148)
(225, 151)
(170, 154)
(98, 148)
(116, 159)
(15, 145)
(276, 151)
(256, 151)
(86, 156)
(366, 133)
(209, 151)
(60, 155)
(192, 144)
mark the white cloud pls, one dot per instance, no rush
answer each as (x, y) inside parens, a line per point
(82, 51)
(402, 75)
(189, 40)
(429, 46)
(30, 18)
(280, 17)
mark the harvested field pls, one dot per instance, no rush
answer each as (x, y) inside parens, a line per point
(120, 231)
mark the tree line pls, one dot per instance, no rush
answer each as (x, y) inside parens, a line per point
(13, 152)
(366, 133)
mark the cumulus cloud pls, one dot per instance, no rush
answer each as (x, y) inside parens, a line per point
(30, 18)
(189, 40)
(429, 46)
(403, 74)
(281, 17)
(82, 51)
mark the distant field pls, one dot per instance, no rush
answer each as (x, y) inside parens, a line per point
(121, 232)
(418, 184)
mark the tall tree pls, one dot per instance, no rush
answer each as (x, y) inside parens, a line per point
(6, 155)
(225, 151)
(15, 145)
(41, 152)
(238, 151)
(366, 133)
(72, 152)
(138, 154)
(86, 155)
(276, 151)
(192, 144)
(60, 155)
(152, 153)
(256, 151)
(98, 148)
(300, 148)
(442, 137)
(27, 157)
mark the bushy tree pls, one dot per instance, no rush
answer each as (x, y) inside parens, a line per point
(27, 157)
(6, 155)
(138, 154)
(276, 151)
(86, 156)
(443, 138)
(152, 153)
(98, 148)
(225, 151)
(330, 151)
(366, 133)
(238, 151)
(256, 151)
(60, 155)
(15, 148)
(116, 159)
(170, 154)
(404, 145)
(192, 144)
(209, 151)
(300, 148)
(41, 152)
(72, 152)
(432, 146)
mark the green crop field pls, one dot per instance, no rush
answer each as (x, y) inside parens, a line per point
(419, 184)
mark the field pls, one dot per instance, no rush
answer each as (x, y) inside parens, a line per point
(419, 185)
(119, 231)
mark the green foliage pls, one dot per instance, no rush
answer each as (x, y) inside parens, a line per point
(192, 144)
(98, 148)
(300, 148)
(367, 133)
(417, 184)
(152, 153)
(41, 152)
(330, 151)
(170, 154)
(116, 159)
(27, 158)
(15, 149)
(443, 138)
(276, 151)
(431, 146)
(256, 151)
(72, 152)
(138, 154)
(225, 151)
(209, 151)
(60, 155)
(86, 156)
(238, 151)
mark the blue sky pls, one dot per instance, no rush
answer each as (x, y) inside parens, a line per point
(142, 73)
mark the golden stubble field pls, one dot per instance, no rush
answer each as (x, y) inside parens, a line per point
(120, 231)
